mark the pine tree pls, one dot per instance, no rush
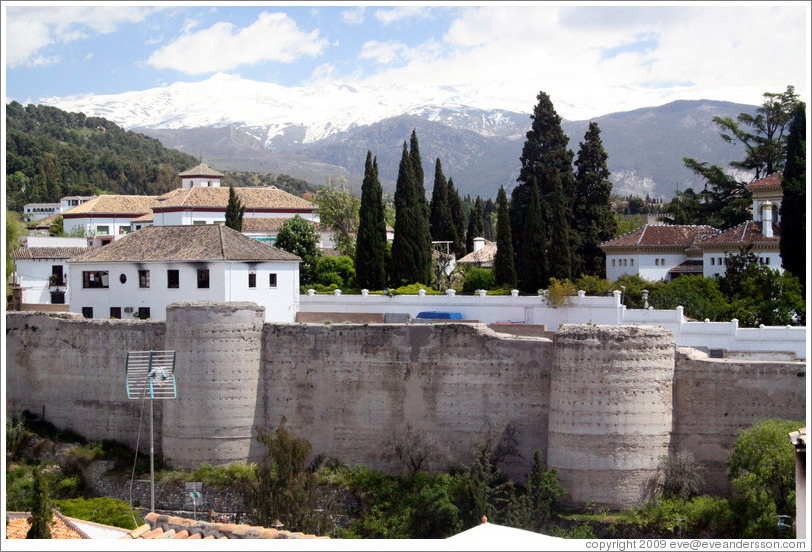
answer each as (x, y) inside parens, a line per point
(458, 219)
(40, 510)
(793, 206)
(592, 207)
(559, 255)
(531, 271)
(411, 248)
(504, 270)
(370, 251)
(234, 210)
(442, 225)
(476, 224)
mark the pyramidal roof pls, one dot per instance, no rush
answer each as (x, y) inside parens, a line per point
(211, 242)
(200, 170)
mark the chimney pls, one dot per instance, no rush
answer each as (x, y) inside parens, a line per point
(767, 222)
(479, 243)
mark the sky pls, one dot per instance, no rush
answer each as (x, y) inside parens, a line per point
(590, 58)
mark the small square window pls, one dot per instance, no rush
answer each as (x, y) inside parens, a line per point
(115, 312)
(87, 312)
(172, 279)
(767, 259)
(613, 262)
(252, 279)
(631, 262)
(713, 261)
(272, 280)
(143, 313)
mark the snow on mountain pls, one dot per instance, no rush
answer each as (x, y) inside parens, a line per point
(267, 111)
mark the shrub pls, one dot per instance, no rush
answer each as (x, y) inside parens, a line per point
(559, 290)
(593, 285)
(478, 278)
(413, 289)
(682, 475)
(105, 510)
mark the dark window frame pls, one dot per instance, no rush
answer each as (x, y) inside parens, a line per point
(143, 313)
(87, 312)
(272, 280)
(97, 280)
(252, 280)
(115, 312)
(173, 278)
(143, 279)
(203, 278)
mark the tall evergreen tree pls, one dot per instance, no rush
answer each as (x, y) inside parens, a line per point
(488, 209)
(476, 224)
(411, 248)
(417, 162)
(458, 219)
(442, 226)
(531, 270)
(370, 251)
(793, 206)
(40, 509)
(592, 207)
(560, 259)
(504, 271)
(234, 210)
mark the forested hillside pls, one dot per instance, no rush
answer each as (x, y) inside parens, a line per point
(51, 153)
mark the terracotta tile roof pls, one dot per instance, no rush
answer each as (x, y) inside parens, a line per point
(48, 252)
(211, 242)
(54, 205)
(481, 257)
(773, 180)
(171, 527)
(61, 527)
(264, 197)
(272, 224)
(143, 218)
(202, 169)
(743, 234)
(113, 204)
(688, 267)
(684, 236)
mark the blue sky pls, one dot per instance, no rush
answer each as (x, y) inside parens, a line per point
(591, 59)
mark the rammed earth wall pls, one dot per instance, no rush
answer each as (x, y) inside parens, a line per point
(602, 404)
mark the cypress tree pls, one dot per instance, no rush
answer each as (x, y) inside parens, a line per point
(793, 206)
(592, 208)
(411, 248)
(476, 224)
(370, 251)
(559, 255)
(40, 509)
(234, 210)
(458, 219)
(488, 209)
(442, 226)
(504, 270)
(531, 271)
(417, 162)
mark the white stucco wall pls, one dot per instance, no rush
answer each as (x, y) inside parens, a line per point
(228, 281)
(90, 225)
(33, 275)
(178, 218)
(710, 269)
(650, 266)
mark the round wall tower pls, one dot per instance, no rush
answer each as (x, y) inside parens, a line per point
(610, 411)
(217, 373)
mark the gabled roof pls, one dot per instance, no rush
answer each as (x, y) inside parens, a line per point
(173, 527)
(113, 204)
(48, 252)
(202, 169)
(770, 181)
(211, 242)
(484, 255)
(264, 197)
(684, 236)
(745, 233)
(61, 527)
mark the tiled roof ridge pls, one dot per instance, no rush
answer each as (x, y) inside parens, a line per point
(48, 252)
(222, 240)
(161, 526)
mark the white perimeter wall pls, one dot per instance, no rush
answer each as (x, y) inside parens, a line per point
(577, 310)
(228, 281)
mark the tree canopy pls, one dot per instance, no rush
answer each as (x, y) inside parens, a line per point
(299, 237)
(339, 211)
(793, 206)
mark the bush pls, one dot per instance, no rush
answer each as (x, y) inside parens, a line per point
(105, 510)
(478, 278)
(682, 475)
(559, 290)
(338, 271)
(700, 297)
(413, 289)
(593, 285)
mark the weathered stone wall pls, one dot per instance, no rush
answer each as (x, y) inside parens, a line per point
(73, 370)
(611, 411)
(715, 398)
(349, 388)
(601, 403)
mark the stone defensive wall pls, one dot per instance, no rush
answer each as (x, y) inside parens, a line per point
(602, 404)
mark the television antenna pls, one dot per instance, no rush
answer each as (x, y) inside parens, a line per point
(153, 373)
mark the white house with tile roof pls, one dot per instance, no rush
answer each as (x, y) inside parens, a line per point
(107, 217)
(659, 252)
(40, 277)
(143, 272)
(200, 176)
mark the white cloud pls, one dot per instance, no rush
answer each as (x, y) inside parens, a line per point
(353, 17)
(30, 29)
(382, 52)
(393, 15)
(222, 47)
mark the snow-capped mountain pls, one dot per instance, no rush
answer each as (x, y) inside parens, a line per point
(281, 116)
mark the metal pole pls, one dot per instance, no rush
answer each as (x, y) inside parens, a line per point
(151, 459)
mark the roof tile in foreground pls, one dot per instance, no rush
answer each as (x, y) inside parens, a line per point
(159, 526)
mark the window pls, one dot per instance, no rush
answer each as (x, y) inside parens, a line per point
(143, 278)
(57, 276)
(102, 230)
(95, 279)
(172, 279)
(123, 230)
(613, 262)
(252, 279)
(122, 278)
(57, 297)
(198, 223)
(202, 277)
(631, 262)
(87, 312)
(272, 280)
(719, 261)
(115, 312)
(767, 260)
(713, 261)
(656, 262)
(143, 313)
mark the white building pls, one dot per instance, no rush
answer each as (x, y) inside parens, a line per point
(40, 272)
(657, 252)
(200, 176)
(106, 217)
(37, 211)
(140, 274)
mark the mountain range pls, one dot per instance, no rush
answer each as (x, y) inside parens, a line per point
(322, 132)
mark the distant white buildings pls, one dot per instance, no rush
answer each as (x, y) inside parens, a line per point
(140, 274)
